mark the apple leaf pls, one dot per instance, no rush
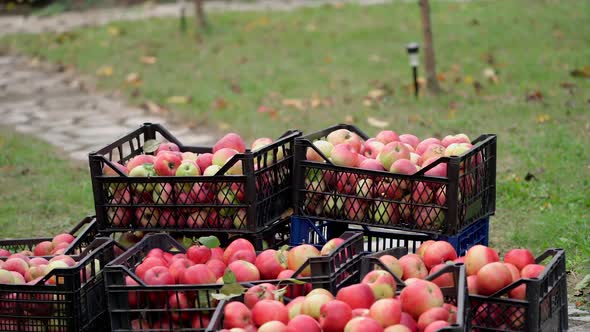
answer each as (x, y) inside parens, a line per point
(210, 241)
(151, 145)
(279, 293)
(281, 256)
(187, 242)
(233, 289)
(296, 281)
(229, 278)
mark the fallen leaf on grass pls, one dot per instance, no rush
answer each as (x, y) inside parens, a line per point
(223, 126)
(377, 123)
(534, 96)
(349, 119)
(178, 100)
(115, 31)
(220, 104)
(490, 75)
(328, 59)
(133, 78)
(478, 87)
(296, 103)
(583, 72)
(236, 88)
(105, 71)
(452, 113)
(542, 118)
(152, 107)
(148, 60)
(468, 79)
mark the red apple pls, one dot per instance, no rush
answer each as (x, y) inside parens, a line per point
(363, 324)
(387, 136)
(313, 303)
(269, 310)
(198, 254)
(244, 271)
(44, 248)
(305, 323)
(167, 146)
(431, 315)
(334, 315)
(392, 152)
(361, 312)
(259, 292)
(403, 166)
(244, 255)
(386, 311)
(140, 160)
(17, 265)
(422, 146)
(397, 328)
(409, 139)
(519, 258)
(231, 140)
(270, 263)
(200, 321)
(344, 136)
(478, 256)
(382, 284)
(413, 267)
(158, 275)
(166, 163)
(419, 296)
(198, 274)
(297, 256)
(147, 264)
(273, 326)
(408, 321)
(357, 296)
(439, 252)
(134, 297)
(436, 325)
(236, 315)
(393, 265)
(176, 303)
(324, 146)
(513, 271)
(445, 280)
(472, 284)
(422, 248)
(235, 245)
(204, 160)
(371, 164)
(343, 155)
(217, 267)
(492, 277)
(532, 271)
(178, 267)
(459, 138)
(372, 149)
(64, 237)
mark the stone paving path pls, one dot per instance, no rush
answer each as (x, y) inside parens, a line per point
(51, 106)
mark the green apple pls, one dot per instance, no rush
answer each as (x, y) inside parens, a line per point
(145, 171)
(187, 168)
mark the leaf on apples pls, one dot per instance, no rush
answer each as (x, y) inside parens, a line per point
(210, 241)
(151, 145)
(232, 290)
(295, 281)
(279, 293)
(187, 242)
(229, 278)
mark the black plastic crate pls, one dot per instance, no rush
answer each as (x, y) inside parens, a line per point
(230, 203)
(312, 230)
(76, 302)
(543, 310)
(85, 232)
(465, 195)
(456, 295)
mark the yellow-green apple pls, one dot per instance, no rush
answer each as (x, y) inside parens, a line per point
(222, 156)
(244, 271)
(334, 315)
(298, 256)
(433, 150)
(235, 169)
(343, 155)
(16, 264)
(519, 258)
(409, 139)
(492, 277)
(355, 208)
(459, 138)
(325, 148)
(35, 272)
(363, 324)
(59, 264)
(43, 248)
(364, 188)
(231, 140)
(513, 271)
(408, 321)
(331, 245)
(382, 284)
(273, 326)
(217, 267)
(419, 296)
(227, 197)
(428, 217)
(304, 323)
(147, 264)
(177, 304)
(357, 296)
(257, 293)
(236, 245)
(436, 326)
(269, 310)
(200, 321)
(437, 253)
(294, 307)
(19, 279)
(313, 303)
(236, 314)
(371, 164)
(392, 152)
(204, 160)
(386, 311)
(457, 149)
(387, 136)
(107, 170)
(178, 267)
(191, 156)
(198, 254)
(393, 265)
(187, 168)
(403, 166)
(163, 193)
(372, 148)
(478, 256)
(344, 136)
(422, 249)
(413, 267)
(145, 170)
(166, 163)
(211, 170)
(431, 315)
(444, 280)
(240, 220)
(147, 216)
(261, 142)
(383, 212)
(416, 159)
(242, 255)
(397, 328)
(270, 263)
(198, 274)
(167, 146)
(422, 146)
(140, 160)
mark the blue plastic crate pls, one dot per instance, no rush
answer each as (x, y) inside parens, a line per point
(317, 231)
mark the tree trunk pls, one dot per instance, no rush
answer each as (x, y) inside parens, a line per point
(429, 59)
(200, 14)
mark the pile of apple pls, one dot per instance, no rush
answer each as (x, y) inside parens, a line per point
(27, 267)
(168, 160)
(201, 265)
(404, 154)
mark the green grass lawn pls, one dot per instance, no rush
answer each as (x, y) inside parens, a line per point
(262, 73)
(41, 192)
